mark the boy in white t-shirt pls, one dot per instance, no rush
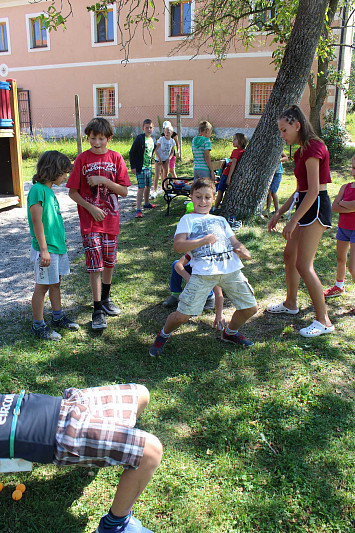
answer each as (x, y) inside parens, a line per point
(215, 254)
(163, 154)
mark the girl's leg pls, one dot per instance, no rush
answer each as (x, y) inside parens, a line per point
(268, 201)
(342, 256)
(275, 200)
(54, 296)
(292, 274)
(165, 167)
(309, 237)
(156, 175)
(38, 301)
(352, 261)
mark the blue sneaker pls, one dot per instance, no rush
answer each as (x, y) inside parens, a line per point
(46, 333)
(131, 525)
(65, 323)
(236, 339)
(158, 346)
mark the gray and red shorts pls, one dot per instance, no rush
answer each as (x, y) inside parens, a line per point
(96, 427)
(100, 251)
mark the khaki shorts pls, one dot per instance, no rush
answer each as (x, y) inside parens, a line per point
(235, 285)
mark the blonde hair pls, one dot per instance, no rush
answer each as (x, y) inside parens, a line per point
(204, 126)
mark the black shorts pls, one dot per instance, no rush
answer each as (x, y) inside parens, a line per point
(321, 210)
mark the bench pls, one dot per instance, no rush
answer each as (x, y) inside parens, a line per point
(182, 186)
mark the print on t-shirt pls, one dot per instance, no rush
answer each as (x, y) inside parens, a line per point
(220, 250)
(101, 195)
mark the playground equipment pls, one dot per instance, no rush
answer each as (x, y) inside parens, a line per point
(11, 181)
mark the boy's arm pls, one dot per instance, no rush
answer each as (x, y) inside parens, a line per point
(156, 152)
(179, 267)
(231, 170)
(239, 248)
(36, 215)
(120, 190)
(348, 205)
(208, 162)
(182, 245)
(172, 152)
(96, 213)
(219, 321)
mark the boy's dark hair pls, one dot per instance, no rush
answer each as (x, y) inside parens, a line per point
(203, 182)
(50, 166)
(204, 126)
(147, 121)
(99, 126)
(242, 140)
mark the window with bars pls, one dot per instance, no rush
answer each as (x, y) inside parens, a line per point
(106, 101)
(104, 26)
(180, 18)
(259, 95)
(184, 92)
(38, 34)
(3, 37)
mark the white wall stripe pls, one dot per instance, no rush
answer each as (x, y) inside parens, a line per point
(137, 60)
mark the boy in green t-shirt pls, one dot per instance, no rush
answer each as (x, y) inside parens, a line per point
(49, 251)
(140, 158)
(201, 147)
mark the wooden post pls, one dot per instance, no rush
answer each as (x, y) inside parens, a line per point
(15, 146)
(178, 123)
(78, 125)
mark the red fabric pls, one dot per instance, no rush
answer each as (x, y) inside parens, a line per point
(236, 154)
(112, 166)
(315, 149)
(347, 220)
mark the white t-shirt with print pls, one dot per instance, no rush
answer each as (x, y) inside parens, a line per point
(217, 258)
(164, 148)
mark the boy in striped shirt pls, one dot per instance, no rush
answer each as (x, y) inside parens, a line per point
(201, 147)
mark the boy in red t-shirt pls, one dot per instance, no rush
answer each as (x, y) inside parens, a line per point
(239, 143)
(98, 178)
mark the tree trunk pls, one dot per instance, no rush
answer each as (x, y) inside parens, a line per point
(253, 175)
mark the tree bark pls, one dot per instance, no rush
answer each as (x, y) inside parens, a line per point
(253, 175)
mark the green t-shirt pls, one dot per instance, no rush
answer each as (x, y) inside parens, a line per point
(51, 219)
(199, 145)
(148, 152)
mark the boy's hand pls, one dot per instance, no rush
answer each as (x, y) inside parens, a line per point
(96, 180)
(241, 251)
(209, 239)
(45, 258)
(97, 213)
(219, 322)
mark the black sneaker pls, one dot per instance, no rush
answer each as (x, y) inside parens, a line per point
(110, 308)
(210, 303)
(98, 320)
(65, 323)
(171, 301)
(158, 346)
(237, 339)
(45, 333)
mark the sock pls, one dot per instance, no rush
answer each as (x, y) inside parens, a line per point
(105, 291)
(57, 315)
(38, 323)
(230, 331)
(110, 520)
(339, 284)
(176, 294)
(97, 306)
(163, 334)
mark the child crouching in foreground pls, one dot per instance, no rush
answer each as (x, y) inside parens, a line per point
(215, 261)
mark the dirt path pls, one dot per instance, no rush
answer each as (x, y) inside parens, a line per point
(16, 271)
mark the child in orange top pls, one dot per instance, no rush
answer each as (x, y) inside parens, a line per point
(239, 143)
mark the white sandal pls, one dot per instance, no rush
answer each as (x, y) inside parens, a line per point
(316, 329)
(280, 308)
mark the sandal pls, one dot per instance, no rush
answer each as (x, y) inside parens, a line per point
(281, 308)
(316, 329)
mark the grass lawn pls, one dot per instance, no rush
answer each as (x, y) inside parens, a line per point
(213, 406)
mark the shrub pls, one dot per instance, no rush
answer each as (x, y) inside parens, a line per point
(334, 135)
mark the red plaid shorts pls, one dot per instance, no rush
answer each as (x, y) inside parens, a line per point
(100, 251)
(96, 427)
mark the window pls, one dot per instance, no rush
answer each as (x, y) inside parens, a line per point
(106, 100)
(37, 35)
(104, 27)
(171, 91)
(263, 18)
(257, 94)
(179, 19)
(4, 39)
